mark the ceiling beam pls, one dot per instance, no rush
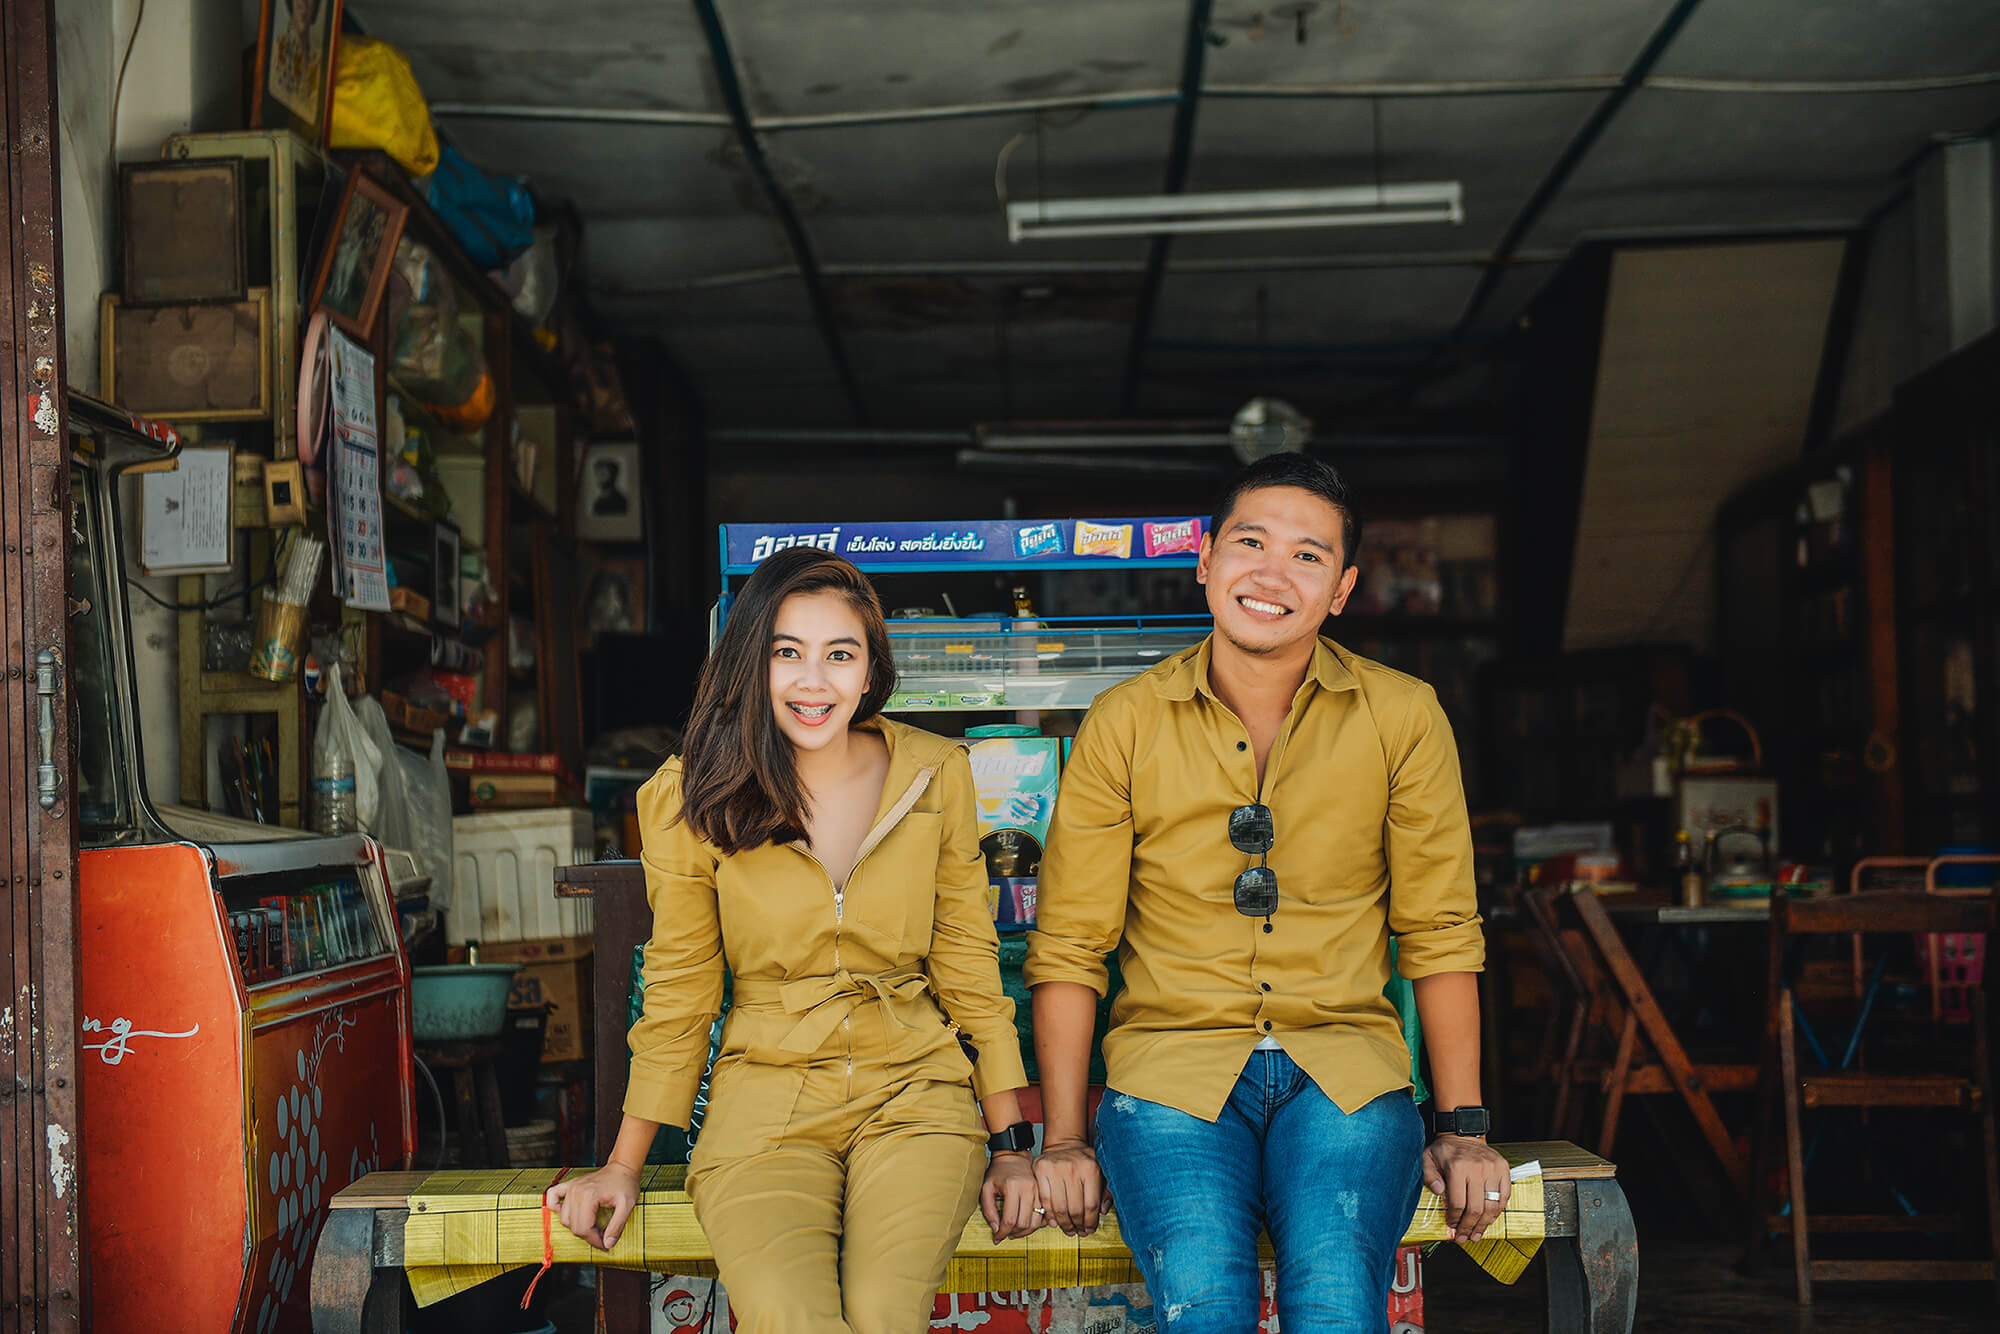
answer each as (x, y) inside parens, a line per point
(729, 84)
(1572, 157)
(1137, 98)
(1180, 149)
(1026, 270)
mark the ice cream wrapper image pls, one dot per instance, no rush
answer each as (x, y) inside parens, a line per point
(1042, 539)
(1180, 538)
(1103, 539)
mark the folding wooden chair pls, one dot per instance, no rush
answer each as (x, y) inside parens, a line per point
(1954, 1074)
(1649, 1057)
(1567, 1058)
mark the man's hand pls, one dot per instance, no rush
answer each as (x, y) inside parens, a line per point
(1072, 1187)
(1472, 1179)
(578, 1200)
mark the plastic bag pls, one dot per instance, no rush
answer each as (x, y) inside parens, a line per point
(344, 759)
(377, 104)
(533, 279)
(414, 807)
(493, 219)
(435, 358)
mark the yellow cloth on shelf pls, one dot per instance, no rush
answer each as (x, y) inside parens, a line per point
(467, 1227)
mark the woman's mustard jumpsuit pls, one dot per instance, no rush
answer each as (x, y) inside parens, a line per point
(842, 1151)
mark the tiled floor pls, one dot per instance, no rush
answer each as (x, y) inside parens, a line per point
(1692, 1286)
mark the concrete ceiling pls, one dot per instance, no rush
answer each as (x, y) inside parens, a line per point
(880, 123)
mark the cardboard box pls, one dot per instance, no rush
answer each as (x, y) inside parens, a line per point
(553, 972)
(506, 790)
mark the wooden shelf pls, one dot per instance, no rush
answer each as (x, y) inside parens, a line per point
(397, 505)
(524, 507)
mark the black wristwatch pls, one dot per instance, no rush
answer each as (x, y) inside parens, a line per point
(1017, 1138)
(1472, 1122)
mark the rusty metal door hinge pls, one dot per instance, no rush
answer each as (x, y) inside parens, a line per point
(48, 680)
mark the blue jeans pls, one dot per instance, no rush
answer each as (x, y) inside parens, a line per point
(1334, 1190)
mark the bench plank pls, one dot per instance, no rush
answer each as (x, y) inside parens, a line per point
(450, 1230)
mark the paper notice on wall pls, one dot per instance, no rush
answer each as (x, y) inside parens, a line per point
(185, 518)
(361, 568)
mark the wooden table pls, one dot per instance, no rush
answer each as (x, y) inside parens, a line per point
(1592, 1271)
(1658, 910)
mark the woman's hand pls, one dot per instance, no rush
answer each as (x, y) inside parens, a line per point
(578, 1200)
(1009, 1199)
(1473, 1180)
(1072, 1186)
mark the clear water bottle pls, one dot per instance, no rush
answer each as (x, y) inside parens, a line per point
(333, 788)
(333, 770)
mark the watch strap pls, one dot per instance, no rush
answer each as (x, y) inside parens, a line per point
(1468, 1121)
(1017, 1138)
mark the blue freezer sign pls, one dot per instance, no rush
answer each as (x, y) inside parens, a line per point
(981, 542)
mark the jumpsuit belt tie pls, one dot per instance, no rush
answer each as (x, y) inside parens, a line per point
(822, 1002)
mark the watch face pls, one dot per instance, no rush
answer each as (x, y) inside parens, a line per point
(1017, 1136)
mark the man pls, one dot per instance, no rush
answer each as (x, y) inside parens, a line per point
(1250, 824)
(610, 501)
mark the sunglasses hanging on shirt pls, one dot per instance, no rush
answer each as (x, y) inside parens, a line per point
(1251, 832)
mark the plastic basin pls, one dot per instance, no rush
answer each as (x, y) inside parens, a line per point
(459, 1002)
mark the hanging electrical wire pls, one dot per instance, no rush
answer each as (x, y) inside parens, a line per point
(220, 599)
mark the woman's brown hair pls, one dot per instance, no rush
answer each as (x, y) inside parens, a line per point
(740, 785)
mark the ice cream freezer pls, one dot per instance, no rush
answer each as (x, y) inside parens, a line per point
(245, 1054)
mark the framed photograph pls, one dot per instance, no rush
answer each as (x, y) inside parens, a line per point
(205, 361)
(609, 496)
(444, 566)
(294, 79)
(182, 224)
(354, 270)
(614, 597)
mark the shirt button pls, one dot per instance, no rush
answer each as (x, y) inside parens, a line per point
(1267, 1025)
(1267, 927)
(1265, 985)
(1242, 745)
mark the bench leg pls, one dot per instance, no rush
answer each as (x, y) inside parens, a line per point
(1594, 1276)
(349, 1295)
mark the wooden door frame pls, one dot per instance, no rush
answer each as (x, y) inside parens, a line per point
(41, 1210)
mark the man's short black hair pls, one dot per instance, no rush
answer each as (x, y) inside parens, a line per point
(1307, 474)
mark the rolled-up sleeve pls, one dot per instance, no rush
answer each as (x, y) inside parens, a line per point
(683, 960)
(1433, 899)
(964, 963)
(1087, 868)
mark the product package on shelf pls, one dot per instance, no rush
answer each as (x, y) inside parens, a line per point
(1014, 791)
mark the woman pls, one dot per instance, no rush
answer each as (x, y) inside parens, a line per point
(831, 856)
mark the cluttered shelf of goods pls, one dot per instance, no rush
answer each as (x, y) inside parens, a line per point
(343, 394)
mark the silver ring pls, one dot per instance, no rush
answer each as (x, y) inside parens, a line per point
(1042, 1211)
(1493, 1195)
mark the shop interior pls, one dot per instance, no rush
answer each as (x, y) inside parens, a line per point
(437, 372)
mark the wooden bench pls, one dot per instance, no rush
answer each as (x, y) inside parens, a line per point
(482, 1223)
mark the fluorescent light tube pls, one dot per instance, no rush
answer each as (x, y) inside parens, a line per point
(1237, 211)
